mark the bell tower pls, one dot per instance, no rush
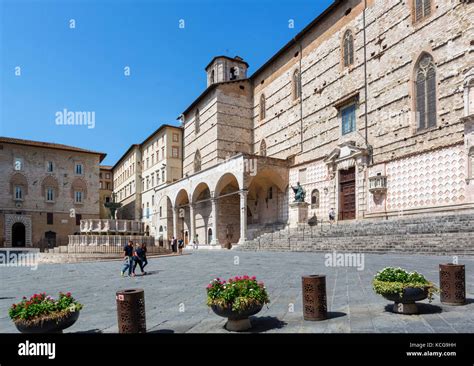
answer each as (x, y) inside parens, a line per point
(224, 68)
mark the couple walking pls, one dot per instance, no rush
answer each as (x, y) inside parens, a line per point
(134, 256)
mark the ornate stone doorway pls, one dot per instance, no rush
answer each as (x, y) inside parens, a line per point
(17, 230)
(347, 197)
(18, 235)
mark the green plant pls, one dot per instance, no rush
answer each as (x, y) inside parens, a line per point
(391, 281)
(40, 307)
(239, 293)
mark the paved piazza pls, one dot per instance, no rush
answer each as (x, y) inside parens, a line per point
(175, 293)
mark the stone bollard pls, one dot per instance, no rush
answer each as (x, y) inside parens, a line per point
(452, 283)
(314, 297)
(131, 311)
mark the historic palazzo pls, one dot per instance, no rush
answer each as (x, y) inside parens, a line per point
(370, 108)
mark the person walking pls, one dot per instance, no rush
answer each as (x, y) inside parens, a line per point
(128, 258)
(138, 257)
(144, 259)
(180, 246)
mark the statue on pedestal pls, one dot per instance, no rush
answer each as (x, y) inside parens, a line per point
(299, 192)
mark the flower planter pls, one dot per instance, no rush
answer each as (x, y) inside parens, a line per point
(48, 325)
(406, 304)
(237, 321)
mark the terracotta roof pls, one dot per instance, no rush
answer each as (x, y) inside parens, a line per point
(49, 145)
(106, 167)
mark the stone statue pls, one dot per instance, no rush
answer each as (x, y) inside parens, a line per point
(113, 207)
(299, 192)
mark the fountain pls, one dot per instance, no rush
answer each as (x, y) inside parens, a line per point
(110, 235)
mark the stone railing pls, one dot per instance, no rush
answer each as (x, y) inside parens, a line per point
(111, 226)
(110, 240)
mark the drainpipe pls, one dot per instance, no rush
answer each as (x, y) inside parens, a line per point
(366, 88)
(301, 97)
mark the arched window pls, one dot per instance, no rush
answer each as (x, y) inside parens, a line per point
(315, 198)
(262, 107)
(197, 121)
(425, 92)
(470, 173)
(197, 161)
(212, 77)
(469, 94)
(296, 84)
(263, 148)
(421, 9)
(348, 50)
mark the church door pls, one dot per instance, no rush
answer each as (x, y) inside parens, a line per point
(347, 201)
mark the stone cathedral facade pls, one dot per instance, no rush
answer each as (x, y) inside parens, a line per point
(370, 108)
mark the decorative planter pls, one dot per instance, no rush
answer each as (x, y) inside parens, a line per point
(452, 281)
(406, 304)
(49, 325)
(314, 298)
(237, 321)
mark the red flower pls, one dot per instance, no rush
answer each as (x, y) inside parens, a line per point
(68, 294)
(254, 278)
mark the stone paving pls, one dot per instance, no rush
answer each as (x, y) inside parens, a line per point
(175, 293)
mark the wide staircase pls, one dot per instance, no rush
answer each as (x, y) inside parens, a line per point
(438, 234)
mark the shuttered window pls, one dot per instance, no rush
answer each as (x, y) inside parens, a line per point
(422, 9)
(425, 93)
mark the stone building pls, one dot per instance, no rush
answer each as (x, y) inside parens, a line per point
(105, 190)
(370, 108)
(45, 190)
(145, 168)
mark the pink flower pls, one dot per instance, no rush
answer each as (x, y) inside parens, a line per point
(254, 278)
(68, 294)
(246, 277)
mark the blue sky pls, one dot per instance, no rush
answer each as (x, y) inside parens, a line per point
(82, 69)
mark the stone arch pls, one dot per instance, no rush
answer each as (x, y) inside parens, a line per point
(201, 191)
(182, 198)
(224, 182)
(10, 220)
(227, 228)
(267, 197)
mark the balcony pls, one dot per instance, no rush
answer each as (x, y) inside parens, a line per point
(378, 184)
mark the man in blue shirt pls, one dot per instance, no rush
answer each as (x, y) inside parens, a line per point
(128, 259)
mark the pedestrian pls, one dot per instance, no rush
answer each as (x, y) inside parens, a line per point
(144, 259)
(332, 215)
(138, 258)
(195, 245)
(128, 258)
(180, 246)
(175, 245)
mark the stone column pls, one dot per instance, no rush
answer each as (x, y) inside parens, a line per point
(215, 240)
(192, 223)
(175, 222)
(243, 216)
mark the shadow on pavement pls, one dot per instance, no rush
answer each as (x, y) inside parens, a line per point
(423, 308)
(161, 331)
(335, 314)
(265, 323)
